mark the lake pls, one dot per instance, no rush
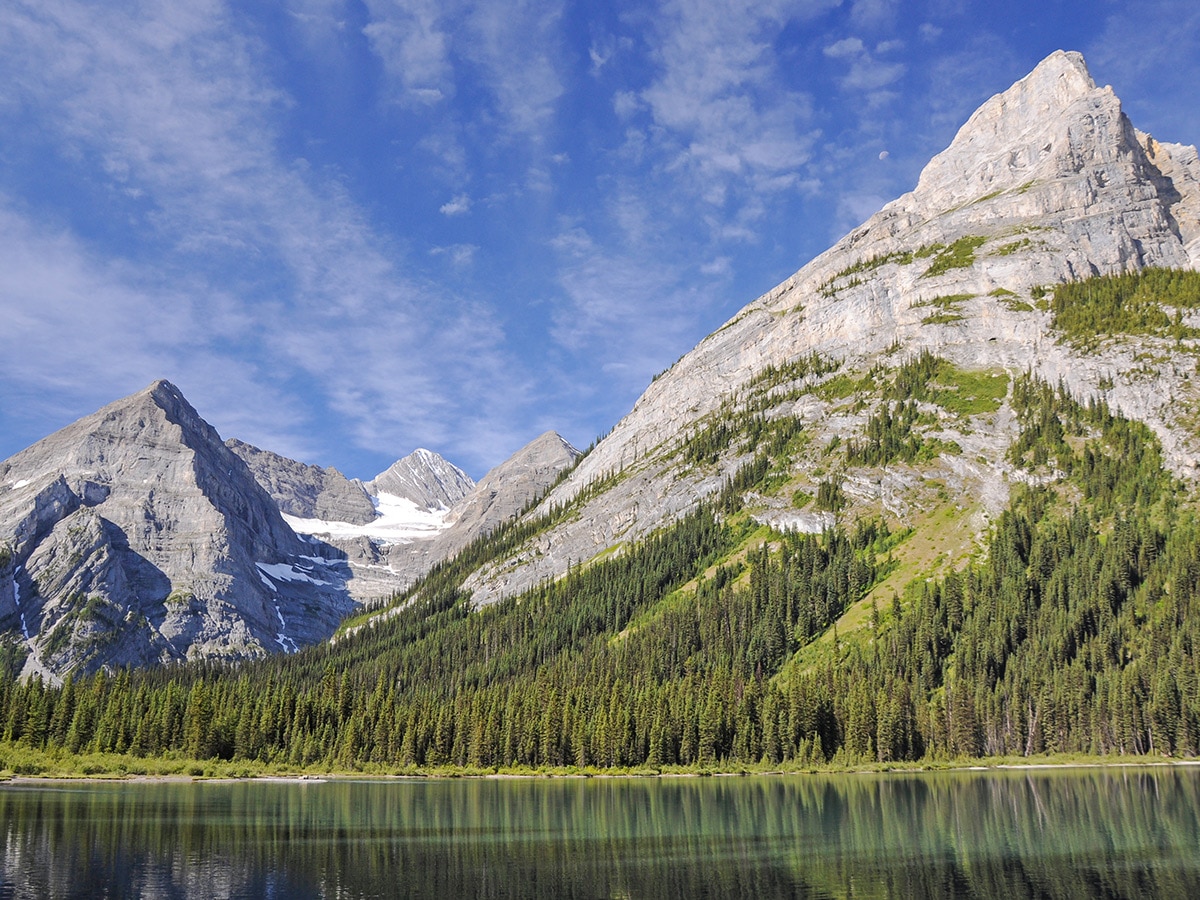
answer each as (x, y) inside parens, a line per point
(1117, 832)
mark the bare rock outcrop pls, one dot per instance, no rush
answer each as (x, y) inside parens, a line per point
(1047, 182)
(135, 536)
(306, 491)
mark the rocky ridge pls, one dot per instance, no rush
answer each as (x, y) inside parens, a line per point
(306, 491)
(135, 536)
(385, 561)
(1048, 182)
(425, 478)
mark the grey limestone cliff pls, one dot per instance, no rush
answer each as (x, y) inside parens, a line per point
(507, 489)
(1047, 182)
(135, 536)
(306, 491)
(425, 478)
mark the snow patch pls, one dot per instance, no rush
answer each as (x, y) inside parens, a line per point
(286, 572)
(286, 643)
(17, 602)
(398, 521)
(21, 483)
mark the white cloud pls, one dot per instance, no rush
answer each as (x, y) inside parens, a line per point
(866, 72)
(517, 46)
(319, 25)
(80, 331)
(514, 47)
(411, 39)
(626, 103)
(457, 206)
(845, 48)
(460, 255)
(625, 308)
(175, 103)
(873, 13)
(725, 114)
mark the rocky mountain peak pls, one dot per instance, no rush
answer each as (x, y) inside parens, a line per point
(425, 478)
(135, 535)
(1022, 131)
(1047, 182)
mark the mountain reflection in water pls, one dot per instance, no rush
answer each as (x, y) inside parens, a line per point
(1024, 833)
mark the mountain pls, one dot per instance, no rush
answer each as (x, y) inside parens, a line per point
(934, 497)
(306, 491)
(508, 489)
(135, 536)
(1047, 183)
(425, 478)
(427, 509)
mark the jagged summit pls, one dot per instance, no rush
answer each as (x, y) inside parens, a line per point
(1006, 140)
(425, 478)
(136, 536)
(1047, 182)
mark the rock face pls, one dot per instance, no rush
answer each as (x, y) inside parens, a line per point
(1046, 183)
(135, 536)
(425, 478)
(305, 491)
(411, 536)
(506, 490)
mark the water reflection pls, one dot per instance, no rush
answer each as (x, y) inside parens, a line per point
(1083, 833)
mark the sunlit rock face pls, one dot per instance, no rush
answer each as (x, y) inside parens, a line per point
(1047, 182)
(135, 536)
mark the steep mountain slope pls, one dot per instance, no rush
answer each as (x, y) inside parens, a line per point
(428, 509)
(1046, 183)
(425, 478)
(306, 491)
(135, 536)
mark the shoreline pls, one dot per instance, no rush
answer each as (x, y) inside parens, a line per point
(964, 766)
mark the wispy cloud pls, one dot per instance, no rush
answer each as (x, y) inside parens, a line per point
(176, 105)
(867, 71)
(517, 46)
(513, 45)
(719, 105)
(80, 330)
(628, 301)
(460, 255)
(412, 39)
(873, 13)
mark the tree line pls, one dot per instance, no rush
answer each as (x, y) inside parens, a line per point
(713, 644)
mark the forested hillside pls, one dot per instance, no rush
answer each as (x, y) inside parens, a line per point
(714, 643)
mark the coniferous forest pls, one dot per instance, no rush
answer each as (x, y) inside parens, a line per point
(713, 645)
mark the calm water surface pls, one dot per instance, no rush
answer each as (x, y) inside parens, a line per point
(1075, 833)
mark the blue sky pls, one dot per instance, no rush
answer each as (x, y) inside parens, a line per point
(349, 228)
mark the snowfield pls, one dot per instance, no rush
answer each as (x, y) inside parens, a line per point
(398, 521)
